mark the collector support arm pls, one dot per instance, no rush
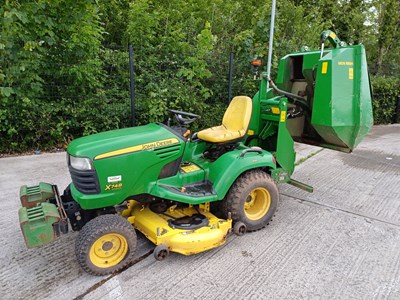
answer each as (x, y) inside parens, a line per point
(332, 38)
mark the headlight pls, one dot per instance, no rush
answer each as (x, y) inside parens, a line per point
(80, 163)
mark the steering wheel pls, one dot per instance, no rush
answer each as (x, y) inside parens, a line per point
(179, 116)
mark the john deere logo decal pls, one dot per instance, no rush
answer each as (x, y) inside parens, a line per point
(157, 144)
(142, 147)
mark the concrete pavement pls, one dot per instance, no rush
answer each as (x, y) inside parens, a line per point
(340, 242)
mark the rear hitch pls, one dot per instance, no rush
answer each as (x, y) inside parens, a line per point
(301, 185)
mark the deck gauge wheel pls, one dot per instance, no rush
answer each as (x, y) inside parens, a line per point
(239, 228)
(161, 252)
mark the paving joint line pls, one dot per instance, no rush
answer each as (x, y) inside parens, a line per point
(100, 283)
(304, 159)
(342, 210)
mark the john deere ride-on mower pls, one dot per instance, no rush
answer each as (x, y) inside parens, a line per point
(187, 192)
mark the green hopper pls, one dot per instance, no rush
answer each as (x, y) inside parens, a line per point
(334, 87)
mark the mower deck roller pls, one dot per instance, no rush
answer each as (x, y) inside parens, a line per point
(336, 89)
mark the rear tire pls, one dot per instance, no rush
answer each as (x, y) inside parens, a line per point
(105, 245)
(252, 199)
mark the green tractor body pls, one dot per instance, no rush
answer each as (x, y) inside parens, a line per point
(153, 160)
(186, 193)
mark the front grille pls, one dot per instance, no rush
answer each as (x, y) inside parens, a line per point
(85, 181)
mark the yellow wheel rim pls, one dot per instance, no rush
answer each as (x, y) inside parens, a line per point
(257, 204)
(108, 250)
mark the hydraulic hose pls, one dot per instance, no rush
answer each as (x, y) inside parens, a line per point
(292, 98)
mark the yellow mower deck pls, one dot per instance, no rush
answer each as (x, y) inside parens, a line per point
(184, 241)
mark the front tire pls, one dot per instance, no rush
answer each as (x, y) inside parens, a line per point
(252, 199)
(105, 245)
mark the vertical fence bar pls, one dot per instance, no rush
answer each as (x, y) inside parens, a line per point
(132, 85)
(396, 116)
(231, 57)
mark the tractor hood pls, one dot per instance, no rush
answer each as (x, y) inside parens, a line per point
(122, 141)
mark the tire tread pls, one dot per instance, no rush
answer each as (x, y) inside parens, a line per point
(93, 230)
(232, 202)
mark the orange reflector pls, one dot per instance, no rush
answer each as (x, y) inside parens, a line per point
(256, 62)
(186, 133)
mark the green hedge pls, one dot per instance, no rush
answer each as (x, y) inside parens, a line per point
(62, 74)
(386, 91)
(29, 124)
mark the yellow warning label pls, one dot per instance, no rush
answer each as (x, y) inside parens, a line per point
(324, 67)
(351, 75)
(190, 168)
(250, 132)
(283, 116)
(332, 35)
(275, 110)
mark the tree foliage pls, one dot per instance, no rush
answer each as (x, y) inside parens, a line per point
(44, 44)
(64, 64)
(386, 99)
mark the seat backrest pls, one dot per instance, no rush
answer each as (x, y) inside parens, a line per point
(237, 115)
